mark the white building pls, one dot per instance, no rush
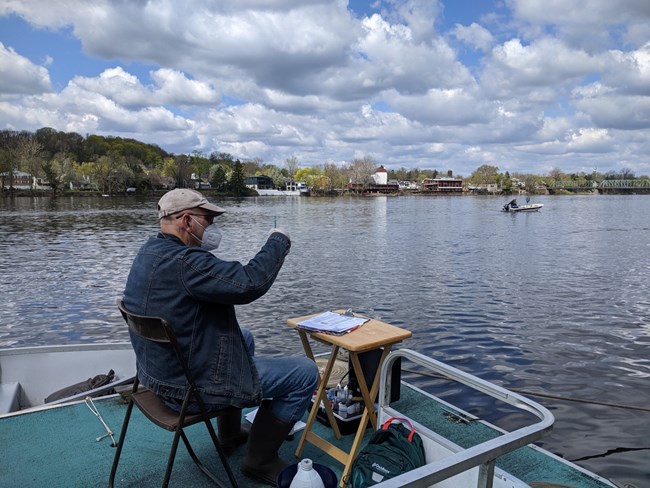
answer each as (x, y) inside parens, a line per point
(381, 176)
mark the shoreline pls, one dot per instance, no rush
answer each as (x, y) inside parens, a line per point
(316, 194)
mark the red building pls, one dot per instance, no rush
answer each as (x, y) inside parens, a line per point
(444, 184)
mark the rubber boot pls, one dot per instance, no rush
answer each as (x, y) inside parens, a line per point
(231, 432)
(266, 436)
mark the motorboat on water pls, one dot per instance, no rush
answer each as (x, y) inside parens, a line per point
(462, 449)
(512, 206)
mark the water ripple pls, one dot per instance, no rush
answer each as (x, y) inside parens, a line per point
(554, 302)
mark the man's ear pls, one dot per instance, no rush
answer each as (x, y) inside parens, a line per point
(185, 221)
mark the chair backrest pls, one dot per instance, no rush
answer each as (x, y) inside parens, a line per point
(153, 328)
(158, 330)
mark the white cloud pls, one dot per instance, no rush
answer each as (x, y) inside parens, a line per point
(515, 68)
(18, 75)
(616, 111)
(170, 87)
(629, 71)
(114, 84)
(174, 87)
(442, 107)
(390, 59)
(475, 36)
(589, 12)
(589, 140)
(592, 25)
(273, 79)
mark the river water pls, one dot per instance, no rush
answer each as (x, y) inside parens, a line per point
(554, 302)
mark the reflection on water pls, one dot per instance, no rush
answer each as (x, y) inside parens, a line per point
(555, 301)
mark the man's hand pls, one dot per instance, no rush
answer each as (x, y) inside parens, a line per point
(275, 229)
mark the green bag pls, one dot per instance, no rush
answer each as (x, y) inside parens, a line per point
(391, 451)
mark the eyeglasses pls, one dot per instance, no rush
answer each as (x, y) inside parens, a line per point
(208, 218)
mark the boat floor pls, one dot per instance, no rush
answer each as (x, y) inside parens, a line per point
(58, 447)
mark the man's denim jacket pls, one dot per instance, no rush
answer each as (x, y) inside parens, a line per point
(196, 292)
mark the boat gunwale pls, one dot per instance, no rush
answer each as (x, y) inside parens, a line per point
(95, 346)
(482, 455)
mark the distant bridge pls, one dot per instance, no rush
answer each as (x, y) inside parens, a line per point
(586, 185)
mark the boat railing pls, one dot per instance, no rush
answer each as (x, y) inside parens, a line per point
(461, 460)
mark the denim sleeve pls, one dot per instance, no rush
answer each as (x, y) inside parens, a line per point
(210, 279)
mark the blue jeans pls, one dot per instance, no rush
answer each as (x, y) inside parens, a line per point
(289, 382)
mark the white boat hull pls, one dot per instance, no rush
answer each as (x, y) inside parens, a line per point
(524, 208)
(278, 193)
(30, 374)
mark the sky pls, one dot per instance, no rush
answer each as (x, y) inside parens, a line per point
(528, 86)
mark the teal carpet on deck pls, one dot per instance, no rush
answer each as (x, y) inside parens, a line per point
(57, 448)
(526, 463)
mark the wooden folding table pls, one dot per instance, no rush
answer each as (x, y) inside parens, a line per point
(372, 335)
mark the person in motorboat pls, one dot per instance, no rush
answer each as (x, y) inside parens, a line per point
(176, 276)
(511, 204)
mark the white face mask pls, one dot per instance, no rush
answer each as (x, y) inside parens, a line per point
(211, 237)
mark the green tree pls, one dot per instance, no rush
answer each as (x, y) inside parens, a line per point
(484, 175)
(180, 170)
(274, 173)
(110, 174)
(219, 180)
(236, 184)
(223, 159)
(52, 171)
(337, 176)
(200, 164)
(314, 177)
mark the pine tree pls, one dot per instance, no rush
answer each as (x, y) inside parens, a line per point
(237, 185)
(219, 180)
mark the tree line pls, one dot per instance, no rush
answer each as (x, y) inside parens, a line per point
(67, 160)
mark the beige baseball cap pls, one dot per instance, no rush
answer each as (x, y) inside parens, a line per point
(180, 199)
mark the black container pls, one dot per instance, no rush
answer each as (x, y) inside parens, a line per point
(369, 361)
(346, 426)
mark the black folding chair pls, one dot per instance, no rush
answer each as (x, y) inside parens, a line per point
(158, 330)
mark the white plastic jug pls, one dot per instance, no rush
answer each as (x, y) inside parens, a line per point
(306, 476)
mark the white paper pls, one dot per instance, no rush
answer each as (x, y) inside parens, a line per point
(298, 426)
(332, 323)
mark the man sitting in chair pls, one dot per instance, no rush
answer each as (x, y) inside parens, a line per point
(176, 277)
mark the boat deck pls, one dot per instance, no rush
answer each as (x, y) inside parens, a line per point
(58, 447)
(529, 464)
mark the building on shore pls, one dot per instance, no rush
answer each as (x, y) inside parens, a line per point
(443, 184)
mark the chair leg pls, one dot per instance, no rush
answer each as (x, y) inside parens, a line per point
(222, 456)
(172, 456)
(120, 443)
